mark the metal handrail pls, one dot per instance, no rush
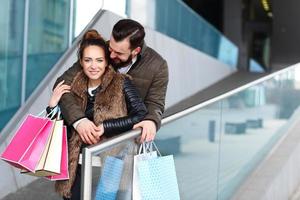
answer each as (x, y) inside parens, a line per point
(89, 151)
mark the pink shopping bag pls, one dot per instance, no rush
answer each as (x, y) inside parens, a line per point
(50, 161)
(64, 166)
(27, 145)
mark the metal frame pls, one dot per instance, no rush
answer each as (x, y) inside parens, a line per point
(24, 56)
(88, 152)
(71, 23)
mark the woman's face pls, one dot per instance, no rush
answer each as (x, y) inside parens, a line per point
(93, 62)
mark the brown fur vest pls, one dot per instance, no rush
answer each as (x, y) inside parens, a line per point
(109, 103)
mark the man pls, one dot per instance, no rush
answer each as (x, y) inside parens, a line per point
(128, 54)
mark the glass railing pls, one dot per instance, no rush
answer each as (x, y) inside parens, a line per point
(175, 19)
(44, 61)
(217, 144)
(48, 32)
(11, 48)
(226, 140)
(47, 24)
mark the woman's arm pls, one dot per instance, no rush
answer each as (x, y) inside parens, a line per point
(58, 91)
(136, 112)
(71, 111)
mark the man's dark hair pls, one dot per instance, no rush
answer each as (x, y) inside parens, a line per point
(131, 29)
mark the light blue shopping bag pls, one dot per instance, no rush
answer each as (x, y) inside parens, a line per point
(157, 179)
(111, 175)
(110, 179)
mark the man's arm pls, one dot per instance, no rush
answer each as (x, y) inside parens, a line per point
(69, 108)
(155, 103)
(155, 98)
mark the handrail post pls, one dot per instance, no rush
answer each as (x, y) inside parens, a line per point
(86, 180)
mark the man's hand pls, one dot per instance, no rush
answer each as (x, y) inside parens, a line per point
(88, 132)
(148, 130)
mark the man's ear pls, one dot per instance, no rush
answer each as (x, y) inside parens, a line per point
(136, 51)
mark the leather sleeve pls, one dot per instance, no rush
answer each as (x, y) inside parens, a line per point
(136, 112)
(69, 108)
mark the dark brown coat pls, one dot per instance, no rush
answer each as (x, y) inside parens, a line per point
(109, 104)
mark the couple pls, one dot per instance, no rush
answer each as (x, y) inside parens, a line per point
(99, 100)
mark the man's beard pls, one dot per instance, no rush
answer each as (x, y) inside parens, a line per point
(121, 64)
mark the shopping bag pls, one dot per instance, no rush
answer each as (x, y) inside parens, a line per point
(64, 165)
(111, 177)
(27, 145)
(157, 178)
(50, 161)
(145, 153)
(53, 164)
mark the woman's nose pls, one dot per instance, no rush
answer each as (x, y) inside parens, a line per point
(94, 64)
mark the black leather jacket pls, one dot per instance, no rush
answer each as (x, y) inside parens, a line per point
(136, 112)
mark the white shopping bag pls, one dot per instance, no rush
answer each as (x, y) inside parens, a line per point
(145, 153)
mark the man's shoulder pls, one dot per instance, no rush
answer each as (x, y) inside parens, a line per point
(151, 54)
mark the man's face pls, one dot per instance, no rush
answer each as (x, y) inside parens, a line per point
(120, 53)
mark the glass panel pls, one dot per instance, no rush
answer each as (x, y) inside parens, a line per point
(227, 52)
(252, 122)
(11, 48)
(47, 38)
(254, 66)
(177, 20)
(194, 142)
(115, 171)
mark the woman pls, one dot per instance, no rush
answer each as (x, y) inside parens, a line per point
(109, 99)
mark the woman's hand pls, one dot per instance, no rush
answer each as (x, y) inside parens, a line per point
(58, 91)
(89, 132)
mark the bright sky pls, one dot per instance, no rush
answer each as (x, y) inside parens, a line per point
(86, 9)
